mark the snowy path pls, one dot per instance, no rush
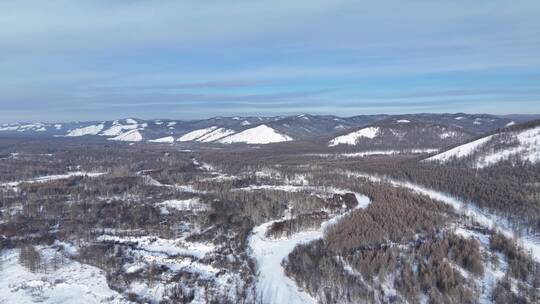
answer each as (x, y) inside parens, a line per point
(485, 219)
(273, 286)
(48, 178)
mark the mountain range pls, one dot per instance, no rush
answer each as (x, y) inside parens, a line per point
(274, 129)
(478, 140)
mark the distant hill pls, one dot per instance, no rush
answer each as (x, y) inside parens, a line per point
(516, 143)
(409, 130)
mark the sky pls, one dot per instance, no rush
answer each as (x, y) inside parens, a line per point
(65, 60)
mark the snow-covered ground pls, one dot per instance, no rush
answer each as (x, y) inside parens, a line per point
(47, 178)
(72, 282)
(118, 128)
(492, 273)
(448, 134)
(215, 135)
(178, 256)
(352, 138)
(130, 136)
(192, 204)
(89, 130)
(273, 285)
(193, 135)
(375, 152)
(167, 139)
(526, 147)
(258, 135)
(149, 180)
(169, 247)
(36, 127)
(460, 151)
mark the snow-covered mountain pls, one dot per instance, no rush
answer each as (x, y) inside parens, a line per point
(222, 130)
(353, 137)
(132, 136)
(89, 130)
(515, 143)
(401, 133)
(27, 127)
(166, 139)
(207, 134)
(262, 134)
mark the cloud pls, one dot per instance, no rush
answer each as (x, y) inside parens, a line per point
(72, 56)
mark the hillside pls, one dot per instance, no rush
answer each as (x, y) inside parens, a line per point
(402, 133)
(517, 143)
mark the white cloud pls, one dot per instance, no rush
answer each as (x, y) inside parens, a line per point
(65, 55)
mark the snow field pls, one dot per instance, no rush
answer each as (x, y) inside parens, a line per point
(72, 282)
(258, 135)
(352, 138)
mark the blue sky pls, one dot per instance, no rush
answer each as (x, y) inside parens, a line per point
(75, 60)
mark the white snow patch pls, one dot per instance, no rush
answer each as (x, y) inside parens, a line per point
(492, 272)
(403, 121)
(352, 138)
(510, 124)
(273, 285)
(117, 129)
(38, 127)
(169, 247)
(461, 151)
(168, 139)
(9, 128)
(448, 134)
(245, 123)
(192, 204)
(375, 152)
(89, 130)
(196, 134)
(69, 249)
(258, 135)
(215, 135)
(131, 136)
(72, 282)
(47, 178)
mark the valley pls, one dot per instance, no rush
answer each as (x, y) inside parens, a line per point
(258, 215)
